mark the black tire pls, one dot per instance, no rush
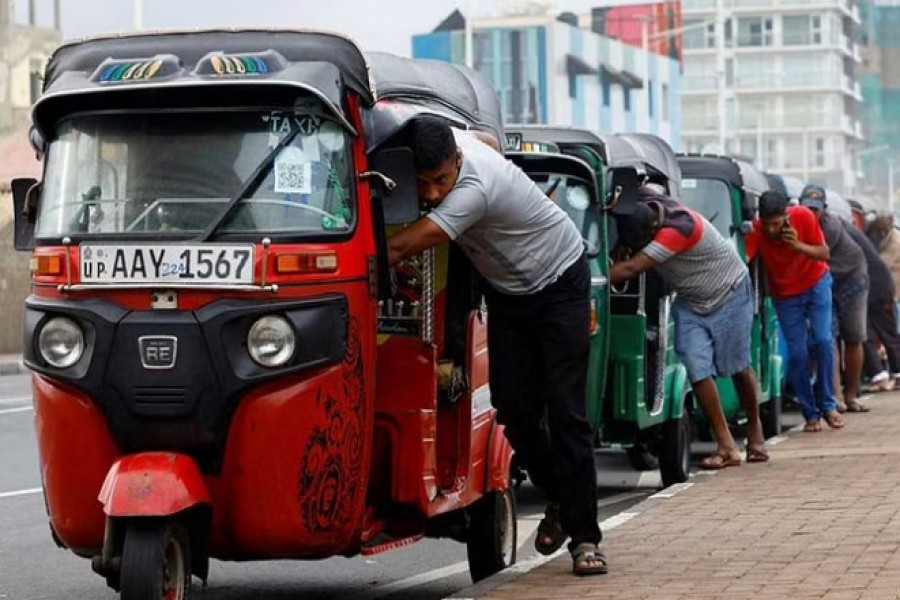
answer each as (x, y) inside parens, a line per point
(156, 561)
(491, 545)
(675, 450)
(770, 416)
(641, 458)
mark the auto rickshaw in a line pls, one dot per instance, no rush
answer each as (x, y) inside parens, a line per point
(224, 364)
(637, 388)
(725, 191)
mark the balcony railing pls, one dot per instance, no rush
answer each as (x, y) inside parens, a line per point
(757, 5)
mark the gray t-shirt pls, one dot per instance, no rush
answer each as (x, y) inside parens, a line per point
(517, 238)
(847, 260)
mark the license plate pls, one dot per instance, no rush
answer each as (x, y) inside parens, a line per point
(202, 264)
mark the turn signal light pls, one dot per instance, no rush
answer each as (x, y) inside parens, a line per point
(47, 265)
(306, 262)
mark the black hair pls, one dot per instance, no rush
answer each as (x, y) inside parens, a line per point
(637, 226)
(772, 204)
(432, 142)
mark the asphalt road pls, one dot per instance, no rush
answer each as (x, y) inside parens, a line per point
(32, 567)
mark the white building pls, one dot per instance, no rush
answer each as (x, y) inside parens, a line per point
(788, 71)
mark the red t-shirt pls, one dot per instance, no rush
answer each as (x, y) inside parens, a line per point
(789, 272)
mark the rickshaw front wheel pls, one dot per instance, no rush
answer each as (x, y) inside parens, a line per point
(491, 545)
(156, 561)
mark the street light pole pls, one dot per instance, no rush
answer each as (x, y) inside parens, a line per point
(138, 15)
(720, 74)
(645, 46)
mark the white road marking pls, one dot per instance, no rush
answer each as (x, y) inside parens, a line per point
(16, 493)
(8, 411)
(18, 400)
(671, 490)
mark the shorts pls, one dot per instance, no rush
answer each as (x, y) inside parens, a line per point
(717, 344)
(850, 298)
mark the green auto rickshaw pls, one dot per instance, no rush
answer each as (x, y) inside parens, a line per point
(725, 191)
(637, 388)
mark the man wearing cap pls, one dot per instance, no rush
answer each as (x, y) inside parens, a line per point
(713, 309)
(792, 247)
(849, 293)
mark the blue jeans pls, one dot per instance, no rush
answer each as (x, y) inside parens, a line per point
(802, 316)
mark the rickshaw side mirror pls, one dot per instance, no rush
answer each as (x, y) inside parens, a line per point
(26, 192)
(401, 203)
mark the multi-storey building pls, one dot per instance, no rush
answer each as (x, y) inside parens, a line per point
(787, 73)
(547, 69)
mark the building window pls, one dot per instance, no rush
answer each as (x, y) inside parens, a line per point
(35, 80)
(754, 31)
(483, 53)
(819, 155)
(770, 158)
(626, 93)
(698, 35)
(651, 100)
(664, 102)
(605, 88)
(804, 30)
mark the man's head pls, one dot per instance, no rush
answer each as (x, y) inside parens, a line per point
(773, 213)
(438, 159)
(813, 198)
(637, 223)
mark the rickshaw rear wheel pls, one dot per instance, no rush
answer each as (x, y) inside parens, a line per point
(156, 562)
(491, 545)
(642, 458)
(675, 450)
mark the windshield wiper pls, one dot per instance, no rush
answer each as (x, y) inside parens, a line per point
(249, 186)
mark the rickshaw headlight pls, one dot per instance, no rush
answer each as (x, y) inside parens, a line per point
(271, 341)
(61, 342)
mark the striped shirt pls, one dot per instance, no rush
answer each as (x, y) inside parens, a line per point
(695, 260)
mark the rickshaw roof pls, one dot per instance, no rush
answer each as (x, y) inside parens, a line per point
(736, 172)
(642, 149)
(619, 150)
(553, 134)
(431, 86)
(320, 62)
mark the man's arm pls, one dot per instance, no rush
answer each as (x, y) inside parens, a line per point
(628, 269)
(418, 237)
(813, 251)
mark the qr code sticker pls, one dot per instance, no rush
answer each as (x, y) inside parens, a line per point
(293, 177)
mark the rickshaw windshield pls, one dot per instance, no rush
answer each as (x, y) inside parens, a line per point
(712, 199)
(574, 196)
(173, 175)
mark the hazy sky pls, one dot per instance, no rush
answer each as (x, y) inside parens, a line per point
(375, 24)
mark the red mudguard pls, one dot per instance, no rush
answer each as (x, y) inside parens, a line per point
(152, 484)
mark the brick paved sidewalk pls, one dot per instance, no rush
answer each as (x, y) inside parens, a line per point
(821, 520)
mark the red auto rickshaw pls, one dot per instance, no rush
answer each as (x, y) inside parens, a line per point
(224, 364)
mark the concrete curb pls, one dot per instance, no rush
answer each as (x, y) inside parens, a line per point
(519, 569)
(13, 367)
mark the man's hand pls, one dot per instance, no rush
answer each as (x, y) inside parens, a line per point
(628, 269)
(789, 237)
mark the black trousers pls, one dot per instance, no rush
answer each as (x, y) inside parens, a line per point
(538, 349)
(881, 325)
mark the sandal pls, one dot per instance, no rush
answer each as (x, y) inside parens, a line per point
(717, 461)
(588, 559)
(855, 406)
(550, 535)
(813, 426)
(757, 455)
(834, 419)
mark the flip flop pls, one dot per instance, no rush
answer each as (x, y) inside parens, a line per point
(834, 420)
(813, 426)
(550, 535)
(856, 407)
(717, 461)
(585, 554)
(757, 455)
